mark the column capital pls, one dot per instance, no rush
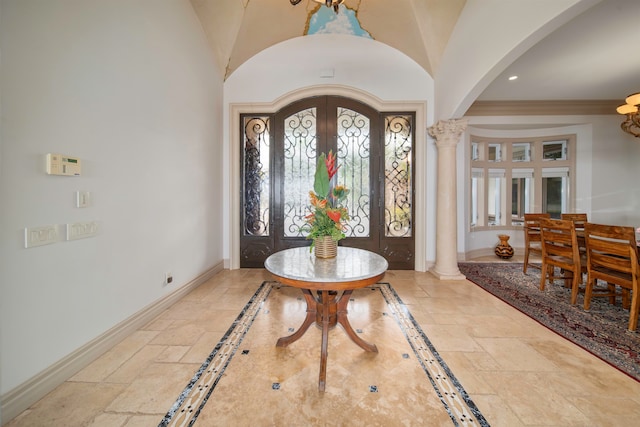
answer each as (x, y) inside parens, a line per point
(447, 132)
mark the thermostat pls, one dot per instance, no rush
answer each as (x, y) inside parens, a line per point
(58, 164)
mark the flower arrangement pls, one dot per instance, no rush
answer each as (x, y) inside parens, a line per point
(327, 214)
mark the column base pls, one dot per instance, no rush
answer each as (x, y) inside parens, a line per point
(456, 275)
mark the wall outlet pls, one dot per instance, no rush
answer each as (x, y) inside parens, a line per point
(38, 236)
(82, 230)
(168, 278)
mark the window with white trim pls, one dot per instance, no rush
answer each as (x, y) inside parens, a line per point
(511, 177)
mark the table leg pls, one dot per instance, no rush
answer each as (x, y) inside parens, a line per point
(344, 321)
(325, 340)
(308, 321)
(323, 311)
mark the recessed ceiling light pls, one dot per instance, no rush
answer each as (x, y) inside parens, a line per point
(512, 78)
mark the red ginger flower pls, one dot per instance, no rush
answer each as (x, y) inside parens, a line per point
(330, 162)
(326, 214)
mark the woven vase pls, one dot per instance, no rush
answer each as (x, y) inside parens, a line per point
(325, 247)
(503, 249)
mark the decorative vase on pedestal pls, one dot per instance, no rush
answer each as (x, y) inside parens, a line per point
(325, 247)
(503, 249)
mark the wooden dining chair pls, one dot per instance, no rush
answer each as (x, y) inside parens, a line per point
(532, 237)
(579, 220)
(612, 256)
(560, 251)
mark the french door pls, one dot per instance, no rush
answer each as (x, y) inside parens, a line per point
(278, 160)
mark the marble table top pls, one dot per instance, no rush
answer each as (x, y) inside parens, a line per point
(350, 264)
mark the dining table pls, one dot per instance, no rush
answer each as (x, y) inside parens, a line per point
(327, 285)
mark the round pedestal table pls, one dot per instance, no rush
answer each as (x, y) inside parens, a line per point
(327, 284)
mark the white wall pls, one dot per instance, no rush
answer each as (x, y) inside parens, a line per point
(129, 87)
(607, 168)
(476, 53)
(489, 36)
(615, 174)
(358, 63)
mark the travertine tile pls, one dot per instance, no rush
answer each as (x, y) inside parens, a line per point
(110, 361)
(70, 404)
(517, 372)
(496, 410)
(598, 409)
(107, 419)
(512, 354)
(158, 324)
(143, 421)
(217, 320)
(129, 370)
(154, 390)
(199, 351)
(466, 369)
(181, 333)
(172, 354)
(535, 403)
(451, 338)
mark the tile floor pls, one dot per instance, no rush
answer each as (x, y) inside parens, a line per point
(517, 372)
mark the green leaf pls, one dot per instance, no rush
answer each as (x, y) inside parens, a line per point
(321, 182)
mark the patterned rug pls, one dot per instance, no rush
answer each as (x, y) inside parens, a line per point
(602, 330)
(405, 383)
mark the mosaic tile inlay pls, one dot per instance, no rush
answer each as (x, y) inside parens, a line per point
(186, 408)
(457, 402)
(450, 392)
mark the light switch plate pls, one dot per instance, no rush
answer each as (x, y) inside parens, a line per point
(83, 199)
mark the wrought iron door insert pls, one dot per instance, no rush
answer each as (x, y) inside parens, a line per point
(375, 154)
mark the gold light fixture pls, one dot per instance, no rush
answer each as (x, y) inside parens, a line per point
(631, 110)
(329, 3)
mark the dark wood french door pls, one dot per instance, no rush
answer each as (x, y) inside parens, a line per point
(375, 154)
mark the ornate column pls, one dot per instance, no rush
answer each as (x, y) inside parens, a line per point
(447, 134)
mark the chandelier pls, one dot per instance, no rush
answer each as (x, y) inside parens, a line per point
(630, 109)
(328, 3)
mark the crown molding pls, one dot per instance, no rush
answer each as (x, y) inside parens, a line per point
(543, 108)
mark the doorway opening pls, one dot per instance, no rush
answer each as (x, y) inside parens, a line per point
(376, 151)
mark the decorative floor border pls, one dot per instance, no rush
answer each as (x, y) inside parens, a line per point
(458, 404)
(187, 407)
(453, 396)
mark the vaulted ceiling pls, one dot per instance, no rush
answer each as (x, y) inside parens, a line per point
(238, 29)
(592, 57)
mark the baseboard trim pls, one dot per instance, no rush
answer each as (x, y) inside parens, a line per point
(26, 394)
(484, 252)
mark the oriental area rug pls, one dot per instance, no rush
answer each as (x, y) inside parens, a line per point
(247, 380)
(602, 330)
